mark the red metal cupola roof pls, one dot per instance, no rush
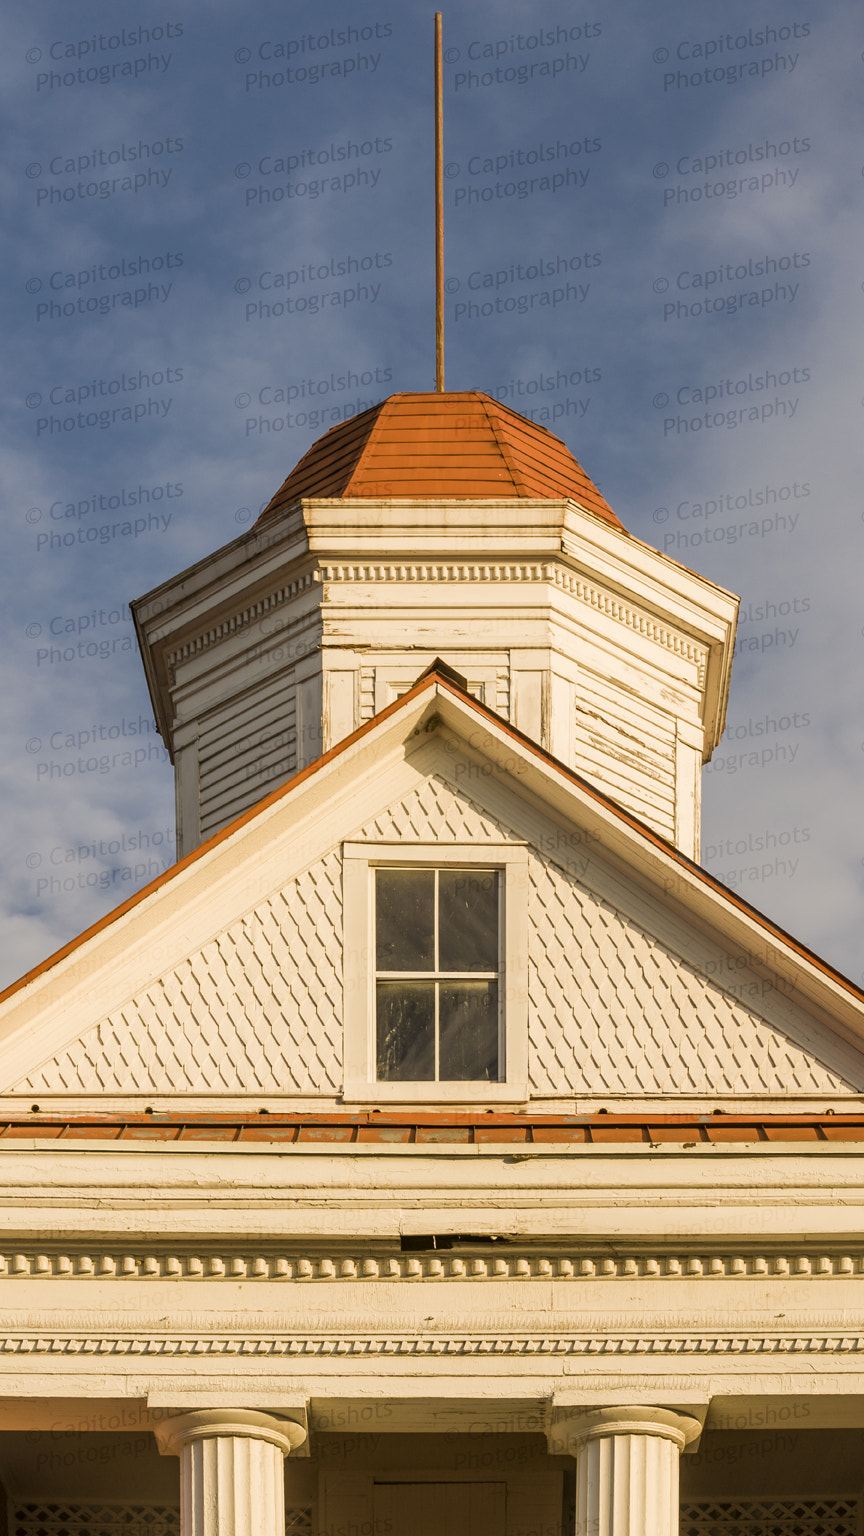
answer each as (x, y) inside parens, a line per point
(450, 445)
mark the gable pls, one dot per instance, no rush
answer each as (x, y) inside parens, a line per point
(623, 1000)
(238, 1016)
(259, 1009)
(616, 1011)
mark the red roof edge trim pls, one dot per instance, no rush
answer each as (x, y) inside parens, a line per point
(475, 1127)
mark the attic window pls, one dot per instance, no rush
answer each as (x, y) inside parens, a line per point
(437, 973)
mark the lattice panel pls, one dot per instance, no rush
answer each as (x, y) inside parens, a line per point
(770, 1517)
(257, 1010)
(613, 1011)
(120, 1520)
(93, 1520)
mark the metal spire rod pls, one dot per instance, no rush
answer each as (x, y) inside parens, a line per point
(439, 209)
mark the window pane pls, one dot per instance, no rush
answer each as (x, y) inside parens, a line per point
(468, 920)
(468, 1021)
(406, 1031)
(404, 919)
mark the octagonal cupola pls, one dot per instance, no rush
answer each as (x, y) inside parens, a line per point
(438, 525)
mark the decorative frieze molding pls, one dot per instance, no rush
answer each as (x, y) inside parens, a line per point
(415, 1345)
(437, 571)
(408, 1267)
(595, 597)
(240, 620)
(632, 618)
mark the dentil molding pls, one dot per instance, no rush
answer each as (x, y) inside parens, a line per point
(241, 620)
(410, 1267)
(455, 573)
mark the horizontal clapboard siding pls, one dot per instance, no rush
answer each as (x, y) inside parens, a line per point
(244, 751)
(628, 751)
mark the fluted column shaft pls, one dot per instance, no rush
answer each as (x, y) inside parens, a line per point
(232, 1481)
(626, 1469)
(627, 1485)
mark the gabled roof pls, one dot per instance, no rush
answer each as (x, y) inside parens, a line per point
(438, 693)
(452, 445)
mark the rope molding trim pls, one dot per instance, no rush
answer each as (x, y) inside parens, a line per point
(463, 1344)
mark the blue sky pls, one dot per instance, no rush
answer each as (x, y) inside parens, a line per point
(219, 241)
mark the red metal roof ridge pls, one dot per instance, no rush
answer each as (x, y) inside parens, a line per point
(385, 411)
(326, 456)
(516, 475)
(519, 416)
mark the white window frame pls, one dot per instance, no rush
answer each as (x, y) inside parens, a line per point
(359, 861)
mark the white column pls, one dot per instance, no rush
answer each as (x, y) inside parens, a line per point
(232, 1481)
(626, 1468)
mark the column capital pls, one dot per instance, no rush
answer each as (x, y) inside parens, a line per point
(182, 1429)
(573, 1427)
